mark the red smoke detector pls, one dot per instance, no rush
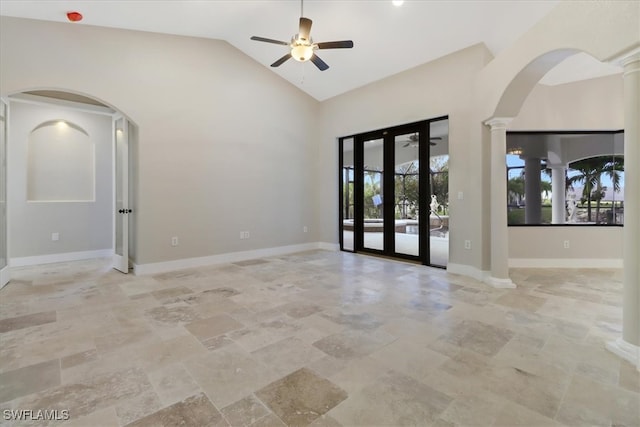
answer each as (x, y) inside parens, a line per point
(74, 16)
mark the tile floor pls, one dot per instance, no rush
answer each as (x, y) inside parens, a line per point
(316, 338)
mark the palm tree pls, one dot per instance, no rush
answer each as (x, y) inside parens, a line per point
(515, 189)
(590, 175)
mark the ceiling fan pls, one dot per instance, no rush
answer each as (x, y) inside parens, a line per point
(413, 140)
(302, 46)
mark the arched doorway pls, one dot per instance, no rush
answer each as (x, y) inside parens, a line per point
(507, 106)
(67, 184)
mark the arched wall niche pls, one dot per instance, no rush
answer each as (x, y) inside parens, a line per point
(60, 163)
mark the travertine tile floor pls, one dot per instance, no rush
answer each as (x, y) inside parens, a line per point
(316, 338)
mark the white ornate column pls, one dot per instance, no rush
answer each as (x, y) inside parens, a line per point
(628, 347)
(558, 196)
(499, 237)
(532, 191)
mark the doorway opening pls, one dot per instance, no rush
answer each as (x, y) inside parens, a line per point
(65, 179)
(394, 192)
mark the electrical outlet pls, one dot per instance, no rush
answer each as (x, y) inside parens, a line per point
(174, 241)
(244, 235)
(467, 244)
(305, 229)
(566, 244)
(55, 236)
(460, 195)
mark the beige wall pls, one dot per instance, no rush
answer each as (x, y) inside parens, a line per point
(595, 104)
(224, 144)
(547, 244)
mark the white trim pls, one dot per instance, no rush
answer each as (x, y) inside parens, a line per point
(565, 263)
(178, 264)
(467, 270)
(28, 98)
(500, 283)
(5, 275)
(498, 123)
(63, 257)
(623, 58)
(627, 351)
(335, 247)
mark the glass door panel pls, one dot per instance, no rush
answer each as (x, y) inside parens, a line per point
(347, 212)
(389, 213)
(373, 199)
(121, 249)
(4, 267)
(439, 193)
(407, 194)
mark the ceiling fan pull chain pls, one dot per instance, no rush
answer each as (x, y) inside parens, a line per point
(301, 8)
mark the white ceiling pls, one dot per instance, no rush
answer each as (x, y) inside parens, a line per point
(387, 39)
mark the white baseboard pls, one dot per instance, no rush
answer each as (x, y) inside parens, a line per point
(334, 247)
(179, 264)
(625, 350)
(63, 257)
(469, 271)
(500, 283)
(565, 263)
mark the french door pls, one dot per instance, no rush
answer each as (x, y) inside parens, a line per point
(387, 192)
(121, 135)
(4, 257)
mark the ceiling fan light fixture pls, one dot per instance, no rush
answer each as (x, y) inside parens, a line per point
(301, 52)
(302, 48)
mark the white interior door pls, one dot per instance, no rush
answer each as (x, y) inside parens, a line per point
(4, 258)
(121, 228)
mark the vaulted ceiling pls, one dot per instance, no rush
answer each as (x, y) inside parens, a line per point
(388, 39)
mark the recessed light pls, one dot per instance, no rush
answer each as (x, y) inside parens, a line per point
(397, 3)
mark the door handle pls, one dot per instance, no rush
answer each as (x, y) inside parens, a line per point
(124, 211)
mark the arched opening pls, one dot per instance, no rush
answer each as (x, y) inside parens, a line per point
(591, 167)
(62, 178)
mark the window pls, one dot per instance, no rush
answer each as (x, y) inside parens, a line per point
(565, 178)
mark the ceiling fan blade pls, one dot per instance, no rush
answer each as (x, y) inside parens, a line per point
(262, 39)
(282, 60)
(305, 28)
(344, 44)
(319, 62)
(406, 145)
(435, 138)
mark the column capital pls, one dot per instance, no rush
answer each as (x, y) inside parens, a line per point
(557, 165)
(629, 58)
(498, 122)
